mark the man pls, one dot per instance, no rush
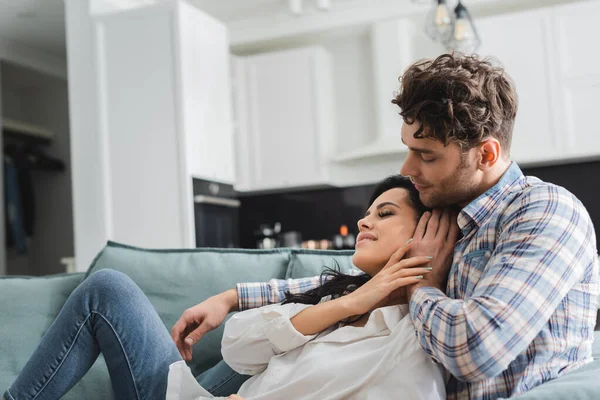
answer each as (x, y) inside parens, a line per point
(519, 305)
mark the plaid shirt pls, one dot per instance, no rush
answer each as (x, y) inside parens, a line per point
(520, 305)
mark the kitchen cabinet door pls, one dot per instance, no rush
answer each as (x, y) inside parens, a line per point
(575, 27)
(206, 103)
(521, 43)
(284, 119)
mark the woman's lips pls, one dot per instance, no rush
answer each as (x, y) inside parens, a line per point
(364, 237)
(362, 242)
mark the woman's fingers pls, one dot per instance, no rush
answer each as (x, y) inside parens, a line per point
(398, 255)
(408, 272)
(422, 226)
(409, 263)
(404, 281)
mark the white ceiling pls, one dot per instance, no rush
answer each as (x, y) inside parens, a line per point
(41, 23)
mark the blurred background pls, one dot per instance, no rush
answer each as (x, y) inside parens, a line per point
(254, 123)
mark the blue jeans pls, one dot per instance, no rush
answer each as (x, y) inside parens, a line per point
(109, 314)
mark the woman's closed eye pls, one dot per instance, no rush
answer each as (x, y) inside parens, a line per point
(385, 213)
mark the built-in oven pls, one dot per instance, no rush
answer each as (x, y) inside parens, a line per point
(216, 211)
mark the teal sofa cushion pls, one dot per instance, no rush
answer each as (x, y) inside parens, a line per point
(28, 305)
(581, 384)
(175, 280)
(307, 263)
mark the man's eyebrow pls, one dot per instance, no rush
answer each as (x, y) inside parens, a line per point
(381, 205)
(418, 149)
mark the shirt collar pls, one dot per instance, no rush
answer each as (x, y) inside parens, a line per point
(477, 211)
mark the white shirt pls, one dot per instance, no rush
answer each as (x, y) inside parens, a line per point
(382, 360)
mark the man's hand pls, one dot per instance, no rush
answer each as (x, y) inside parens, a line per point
(436, 236)
(196, 321)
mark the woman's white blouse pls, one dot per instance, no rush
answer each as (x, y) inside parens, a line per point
(382, 360)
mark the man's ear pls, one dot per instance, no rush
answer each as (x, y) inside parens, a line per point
(489, 153)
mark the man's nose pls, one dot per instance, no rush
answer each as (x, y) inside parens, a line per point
(408, 167)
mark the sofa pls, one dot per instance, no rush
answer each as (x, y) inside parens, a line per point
(175, 280)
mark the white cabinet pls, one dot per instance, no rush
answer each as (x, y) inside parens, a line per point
(206, 102)
(577, 60)
(151, 96)
(285, 124)
(548, 55)
(521, 44)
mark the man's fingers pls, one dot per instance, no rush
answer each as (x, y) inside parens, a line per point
(454, 229)
(422, 226)
(194, 337)
(197, 334)
(444, 224)
(177, 333)
(433, 224)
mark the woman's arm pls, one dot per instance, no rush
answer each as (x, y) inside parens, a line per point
(252, 337)
(317, 318)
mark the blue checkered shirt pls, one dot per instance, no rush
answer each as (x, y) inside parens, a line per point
(520, 305)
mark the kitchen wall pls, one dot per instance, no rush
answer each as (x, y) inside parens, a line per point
(318, 214)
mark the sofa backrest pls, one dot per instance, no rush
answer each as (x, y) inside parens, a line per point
(175, 280)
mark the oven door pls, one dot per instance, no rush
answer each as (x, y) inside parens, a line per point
(217, 221)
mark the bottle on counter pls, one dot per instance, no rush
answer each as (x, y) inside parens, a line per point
(344, 240)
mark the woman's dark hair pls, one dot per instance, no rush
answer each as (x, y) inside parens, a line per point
(334, 283)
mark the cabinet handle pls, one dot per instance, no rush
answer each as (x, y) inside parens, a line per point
(218, 201)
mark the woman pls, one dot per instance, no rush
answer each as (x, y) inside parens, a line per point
(355, 343)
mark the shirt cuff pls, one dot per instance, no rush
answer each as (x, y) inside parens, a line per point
(252, 295)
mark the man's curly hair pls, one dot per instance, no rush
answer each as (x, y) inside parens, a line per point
(459, 98)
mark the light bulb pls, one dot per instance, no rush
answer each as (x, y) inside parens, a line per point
(439, 21)
(462, 30)
(442, 16)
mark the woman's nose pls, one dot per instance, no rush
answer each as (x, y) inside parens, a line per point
(364, 223)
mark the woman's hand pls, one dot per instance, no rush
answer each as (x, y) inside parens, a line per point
(196, 321)
(381, 290)
(436, 235)
(235, 397)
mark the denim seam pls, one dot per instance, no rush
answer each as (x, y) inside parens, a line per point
(222, 383)
(10, 396)
(63, 359)
(135, 385)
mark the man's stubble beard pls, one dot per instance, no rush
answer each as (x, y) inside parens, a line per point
(457, 189)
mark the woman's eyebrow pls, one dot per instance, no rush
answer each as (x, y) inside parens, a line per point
(387, 203)
(381, 205)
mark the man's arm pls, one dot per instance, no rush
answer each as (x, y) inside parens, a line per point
(254, 295)
(546, 244)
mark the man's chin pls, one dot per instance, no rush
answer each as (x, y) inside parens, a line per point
(429, 201)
